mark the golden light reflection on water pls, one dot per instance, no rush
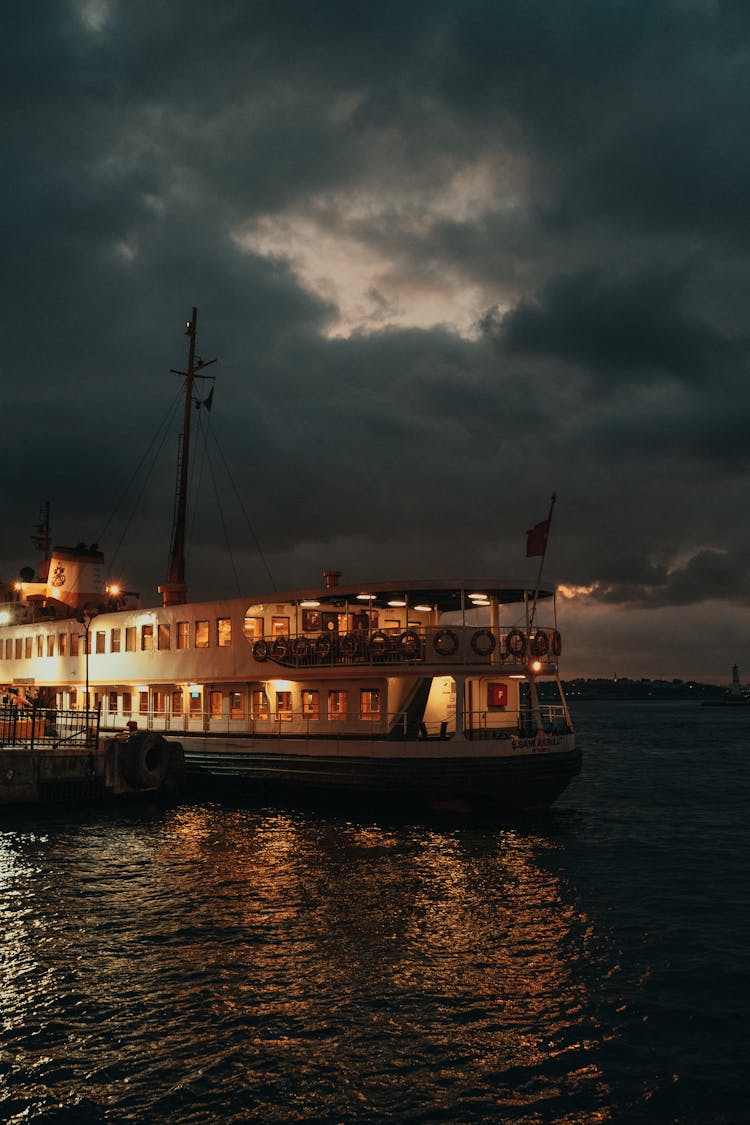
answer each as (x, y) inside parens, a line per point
(312, 945)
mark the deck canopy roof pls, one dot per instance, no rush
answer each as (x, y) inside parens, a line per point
(444, 594)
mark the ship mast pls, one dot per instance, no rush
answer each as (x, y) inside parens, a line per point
(174, 590)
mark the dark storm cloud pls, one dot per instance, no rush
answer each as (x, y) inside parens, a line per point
(606, 246)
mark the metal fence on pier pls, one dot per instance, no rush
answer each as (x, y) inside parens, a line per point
(37, 728)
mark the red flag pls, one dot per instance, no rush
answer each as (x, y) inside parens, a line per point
(536, 539)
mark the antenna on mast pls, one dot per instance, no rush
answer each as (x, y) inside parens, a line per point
(174, 590)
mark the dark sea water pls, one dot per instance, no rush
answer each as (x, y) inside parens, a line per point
(227, 962)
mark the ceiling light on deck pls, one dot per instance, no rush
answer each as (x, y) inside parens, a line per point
(365, 597)
(478, 597)
(311, 604)
(422, 608)
(397, 603)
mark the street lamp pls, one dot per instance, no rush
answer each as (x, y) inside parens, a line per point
(85, 618)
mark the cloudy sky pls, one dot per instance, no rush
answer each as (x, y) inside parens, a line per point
(452, 256)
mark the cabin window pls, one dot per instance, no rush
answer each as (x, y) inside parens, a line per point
(40, 645)
(163, 637)
(19, 647)
(127, 703)
(75, 641)
(73, 697)
(101, 638)
(201, 634)
(147, 638)
(62, 643)
(279, 626)
(284, 706)
(196, 705)
(236, 708)
(8, 649)
(310, 704)
(112, 702)
(143, 703)
(183, 634)
(176, 702)
(253, 628)
(114, 640)
(50, 645)
(259, 705)
(160, 703)
(215, 700)
(224, 632)
(369, 703)
(130, 638)
(392, 625)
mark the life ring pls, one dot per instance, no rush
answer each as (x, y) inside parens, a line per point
(445, 642)
(260, 650)
(379, 643)
(301, 647)
(516, 642)
(280, 648)
(540, 644)
(408, 644)
(483, 642)
(323, 645)
(349, 644)
(145, 760)
(556, 643)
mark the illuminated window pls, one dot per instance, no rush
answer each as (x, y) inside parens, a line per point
(176, 702)
(259, 705)
(201, 634)
(183, 634)
(369, 704)
(130, 638)
(163, 637)
(147, 638)
(73, 698)
(215, 699)
(279, 626)
(160, 702)
(284, 706)
(127, 703)
(40, 645)
(143, 703)
(337, 704)
(101, 637)
(8, 649)
(114, 640)
(62, 643)
(236, 709)
(112, 702)
(253, 628)
(196, 705)
(311, 704)
(50, 645)
(224, 632)
(75, 641)
(19, 647)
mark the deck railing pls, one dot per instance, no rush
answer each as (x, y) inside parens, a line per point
(506, 646)
(397, 725)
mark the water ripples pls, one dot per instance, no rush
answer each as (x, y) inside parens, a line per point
(212, 963)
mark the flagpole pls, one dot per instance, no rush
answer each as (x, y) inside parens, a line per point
(553, 500)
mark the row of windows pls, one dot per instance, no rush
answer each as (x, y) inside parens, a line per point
(145, 639)
(150, 637)
(173, 702)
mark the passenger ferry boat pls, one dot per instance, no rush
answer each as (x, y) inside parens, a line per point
(440, 690)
